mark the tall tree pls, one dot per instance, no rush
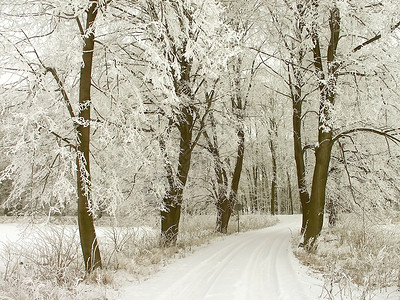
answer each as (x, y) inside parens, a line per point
(327, 79)
(288, 22)
(312, 33)
(239, 85)
(89, 243)
(40, 62)
(192, 47)
(274, 158)
(327, 88)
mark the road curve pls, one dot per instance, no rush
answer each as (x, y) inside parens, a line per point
(248, 266)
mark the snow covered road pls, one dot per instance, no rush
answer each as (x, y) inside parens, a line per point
(253, 265)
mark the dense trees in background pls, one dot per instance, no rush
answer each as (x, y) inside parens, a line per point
(154, 107)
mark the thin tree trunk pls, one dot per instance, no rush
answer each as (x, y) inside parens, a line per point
(297, 102)
(256, 189)
(274, 187)
(221, 189)
(89, 244)
(299, 156)
(331, 209)
(290, 197)
(266, 189)
(238, 167)
(251, 191)
(222, 204)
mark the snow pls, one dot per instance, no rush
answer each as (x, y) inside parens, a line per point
(253, 265)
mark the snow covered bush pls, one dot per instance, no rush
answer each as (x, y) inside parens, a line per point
(48, 254)
(44, 266)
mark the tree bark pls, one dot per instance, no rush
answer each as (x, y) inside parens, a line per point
(256, 190)
(221, 189)
(274, 187)
(225, 204)
(325, 142)
(299, 155)
(238, 168)
(290, 197)
(171, 213)
(317, 200)
(297, 103)
(224, 211)
(89, 244)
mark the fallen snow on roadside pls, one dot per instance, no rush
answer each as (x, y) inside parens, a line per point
(253, 265)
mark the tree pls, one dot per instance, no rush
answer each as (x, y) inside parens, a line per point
(289, 33)
(303, 38)
(327, 83)
(328, 94)
(89, 243)
(241, 74)
(192, 46)
(327, 88)
(35, 77)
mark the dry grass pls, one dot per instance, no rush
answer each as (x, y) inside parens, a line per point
(357, 258)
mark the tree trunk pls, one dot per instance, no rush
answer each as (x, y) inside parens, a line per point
(331, 209)
(170, 215)
(317, 200)
(266, 188)
(223, 204)
(256, 189)
(290, 197)
(238, 168)
(299, 156)
(224, 211)
(274, 187)
(89, 244)
(325, 143)
(297, 102)
(226, 206)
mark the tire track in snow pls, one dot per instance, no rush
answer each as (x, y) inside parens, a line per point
(211, 268)
(253, 265)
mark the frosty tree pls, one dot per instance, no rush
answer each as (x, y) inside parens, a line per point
(33, 71)
(320, 48)
(185, 46)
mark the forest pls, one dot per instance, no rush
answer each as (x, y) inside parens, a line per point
(156, 112)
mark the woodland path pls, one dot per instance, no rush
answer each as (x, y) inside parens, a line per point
(247, 266)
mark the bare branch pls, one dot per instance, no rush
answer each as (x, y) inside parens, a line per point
(62, 90)
(65, 140)
(384, 133)
(55, 75)
(375, 38)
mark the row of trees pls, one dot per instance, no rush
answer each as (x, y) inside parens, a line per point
(233, 90)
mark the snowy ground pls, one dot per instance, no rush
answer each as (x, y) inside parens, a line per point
(253, 265)
(247, 266)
